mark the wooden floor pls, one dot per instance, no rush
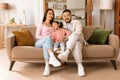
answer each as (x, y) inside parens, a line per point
(33, 71)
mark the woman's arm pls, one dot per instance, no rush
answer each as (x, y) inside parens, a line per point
(39, 32)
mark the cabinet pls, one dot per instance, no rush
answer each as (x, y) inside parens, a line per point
(5, 30)
(117, 18)
(1, 36)
(58, 6)
(81, 9)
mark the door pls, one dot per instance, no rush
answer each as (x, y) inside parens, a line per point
(89, 12)
(117, 18)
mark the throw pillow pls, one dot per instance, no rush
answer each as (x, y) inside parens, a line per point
(99, 36)
(23, 38)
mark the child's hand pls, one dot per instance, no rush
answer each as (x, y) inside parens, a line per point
(53, 41)
(64, 39)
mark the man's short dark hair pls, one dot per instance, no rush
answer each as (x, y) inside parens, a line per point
(66, 10)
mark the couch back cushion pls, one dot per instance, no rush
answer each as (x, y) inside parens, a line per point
(88, 30)
(23, 38)
(32, 30)
(99, 36)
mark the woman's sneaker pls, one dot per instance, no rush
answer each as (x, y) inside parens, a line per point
(47, 70)
(54, 62)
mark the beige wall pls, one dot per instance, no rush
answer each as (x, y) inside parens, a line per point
(38, 10)
(17, 7)
(34, 11)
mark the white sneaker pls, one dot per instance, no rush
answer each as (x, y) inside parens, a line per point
(46, 71)
(54, 62)
(63, 56)
(55, 49)
(61, 51)
(81, 72)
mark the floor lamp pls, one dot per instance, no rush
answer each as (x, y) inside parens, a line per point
(105, 5)
(3, 7)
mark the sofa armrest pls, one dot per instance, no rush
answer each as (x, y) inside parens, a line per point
(114, 41)
(10, 43)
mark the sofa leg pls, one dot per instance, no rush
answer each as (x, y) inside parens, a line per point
(114, 64)
(11, 65)
(64, 63)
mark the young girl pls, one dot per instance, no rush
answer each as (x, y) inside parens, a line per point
(43, 36)
(58, 35)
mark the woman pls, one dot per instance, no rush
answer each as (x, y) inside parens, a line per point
(43, 36)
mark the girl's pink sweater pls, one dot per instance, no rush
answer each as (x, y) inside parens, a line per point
(58, 35)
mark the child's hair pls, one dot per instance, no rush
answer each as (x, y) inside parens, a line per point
(60, 24)
(56, 22)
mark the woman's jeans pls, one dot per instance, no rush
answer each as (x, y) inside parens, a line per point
(45, 43)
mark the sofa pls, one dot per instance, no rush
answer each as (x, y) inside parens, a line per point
(91, 52)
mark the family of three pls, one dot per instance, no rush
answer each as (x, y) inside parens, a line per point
(50, 32)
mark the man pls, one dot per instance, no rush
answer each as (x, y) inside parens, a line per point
(75, 40)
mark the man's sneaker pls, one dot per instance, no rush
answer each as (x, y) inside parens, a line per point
(81, 72)
(63, 56)
(55, 49)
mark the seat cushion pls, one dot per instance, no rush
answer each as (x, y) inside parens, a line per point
(89, 52)
(98, 51)
(27, 52)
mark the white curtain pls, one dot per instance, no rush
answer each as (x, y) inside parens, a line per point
(38, 11)
(98, 16)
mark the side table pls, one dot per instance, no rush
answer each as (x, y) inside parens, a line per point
(6, 29)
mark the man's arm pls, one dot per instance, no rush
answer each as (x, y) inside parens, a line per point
(78, 30)
(78, 27)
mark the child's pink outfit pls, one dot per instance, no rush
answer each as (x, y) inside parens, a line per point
(57, 36)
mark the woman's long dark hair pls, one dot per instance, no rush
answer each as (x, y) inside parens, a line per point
(45, 14)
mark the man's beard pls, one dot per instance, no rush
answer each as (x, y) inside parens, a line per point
(68, 21)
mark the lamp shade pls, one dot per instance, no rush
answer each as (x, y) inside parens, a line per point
(3, 5)
(106, 4)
